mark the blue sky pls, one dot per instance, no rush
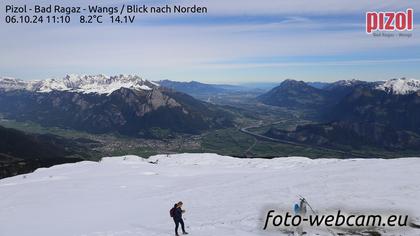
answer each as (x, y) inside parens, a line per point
(236, 42)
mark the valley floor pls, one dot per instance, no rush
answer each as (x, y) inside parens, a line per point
(129, 196)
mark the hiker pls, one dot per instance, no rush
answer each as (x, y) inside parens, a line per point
(176, 213)
(302, 207)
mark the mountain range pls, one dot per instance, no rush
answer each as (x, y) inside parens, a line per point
(295, 94)
(122, 104)
(193, 88)
(203, 91)
(385, 114)
(299, 94)
(350, 113)
(99, 84)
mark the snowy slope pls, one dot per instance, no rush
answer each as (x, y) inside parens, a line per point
(100, 84)
(128, 196)
(400, 86)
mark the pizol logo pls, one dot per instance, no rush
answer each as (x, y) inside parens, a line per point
(389, 21)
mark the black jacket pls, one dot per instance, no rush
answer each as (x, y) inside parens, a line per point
(178, 213)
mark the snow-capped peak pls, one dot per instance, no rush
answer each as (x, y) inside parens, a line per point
(100, 84)
(347, 82)
(400, 86)
(9, 83)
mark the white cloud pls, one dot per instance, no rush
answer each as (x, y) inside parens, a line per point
(174, 46)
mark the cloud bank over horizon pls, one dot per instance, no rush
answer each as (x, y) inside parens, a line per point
(236, 42)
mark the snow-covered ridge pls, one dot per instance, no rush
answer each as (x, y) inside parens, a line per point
(8, 83)
(131, 196)
(400, 86)
(347, 82)
(100, 84)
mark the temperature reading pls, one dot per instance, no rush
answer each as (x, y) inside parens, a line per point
(91, 19)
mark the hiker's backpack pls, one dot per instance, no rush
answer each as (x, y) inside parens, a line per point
(172, 212)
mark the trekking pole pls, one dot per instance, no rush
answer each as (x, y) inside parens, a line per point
(185, 221)
(314, 212)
